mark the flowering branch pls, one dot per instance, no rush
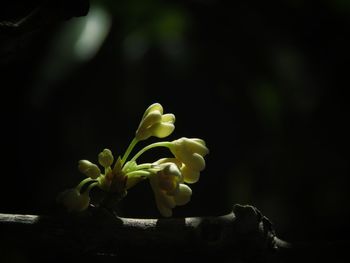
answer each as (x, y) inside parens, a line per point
(169, 177)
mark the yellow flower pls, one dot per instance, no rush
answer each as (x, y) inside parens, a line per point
(165, 202)
(188, 175)
(190, 152)
(155, 123)
(169, 191)
(167, 176)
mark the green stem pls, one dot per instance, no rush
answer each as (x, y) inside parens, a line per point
(82, 183)
(138, 173)
(144, 166)
(128, 150)
(148, 147)
(91, 186)
(108, 170)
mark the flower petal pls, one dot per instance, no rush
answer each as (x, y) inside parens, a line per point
(197, 145)
(168, 178)
(144, 130)
(190, 152)
(184, 195)
(164, 202)
(89, 169)
(73, 200)
(168, 160)
(196, 162)
(150, 119)
(190, 176)
(162, 129)
(153, 107)
(169, 117)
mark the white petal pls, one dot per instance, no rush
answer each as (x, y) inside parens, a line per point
(153, 107)
(169, 117)
(190, 176)
(184, 195)
(168, 160)
(150, 119)
(197, 146)
(163, 129)
(195, 162)
(145, 129)
(164, 203)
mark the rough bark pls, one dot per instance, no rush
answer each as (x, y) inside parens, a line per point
(243, 235)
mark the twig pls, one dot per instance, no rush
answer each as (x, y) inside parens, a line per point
(45, 13)
(17, 30)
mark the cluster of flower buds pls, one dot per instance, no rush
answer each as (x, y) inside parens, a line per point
(169, 177)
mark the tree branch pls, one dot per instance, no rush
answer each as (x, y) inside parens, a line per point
(19, 23)
(44, 13)
(244, 234)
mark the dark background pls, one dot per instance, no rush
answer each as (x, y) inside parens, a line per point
(264, 83)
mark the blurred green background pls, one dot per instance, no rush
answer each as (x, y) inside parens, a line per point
(264, 83)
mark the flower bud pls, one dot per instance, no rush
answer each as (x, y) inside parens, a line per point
(105, 158)
(89, 169)
(162, 130)
(190, 152)
(155, 123)
(73, 200)
(153, 107)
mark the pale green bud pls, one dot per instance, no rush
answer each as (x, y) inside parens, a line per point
(105, 158)
(153, 107)
(155, 123)
(73, 200)
(144, 130)
(89, 169)
(162, 129)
